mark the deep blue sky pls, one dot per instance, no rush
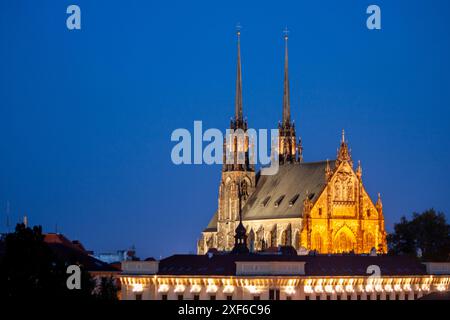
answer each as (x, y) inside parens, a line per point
(86, 116)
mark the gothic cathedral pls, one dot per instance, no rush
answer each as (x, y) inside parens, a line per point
(319, 206)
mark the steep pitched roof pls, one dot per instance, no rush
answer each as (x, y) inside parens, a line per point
(289, 185)
(212, 225)
(282, 195)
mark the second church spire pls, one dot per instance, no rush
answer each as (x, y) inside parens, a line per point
(287, 146)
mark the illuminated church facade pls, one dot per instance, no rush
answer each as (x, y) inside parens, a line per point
(316, 206)
(321, 209)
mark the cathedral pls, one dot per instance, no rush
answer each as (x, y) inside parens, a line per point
(311, 206)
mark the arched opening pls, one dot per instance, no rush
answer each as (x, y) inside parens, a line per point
(344, 241)
(296, 240)
(251, 240)
(317, 242)
(369, 242)
(273, 236)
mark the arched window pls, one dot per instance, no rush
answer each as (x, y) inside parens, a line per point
(296, 243)
(344, 241)
(369, 242)
(317, 242)
(251, 240)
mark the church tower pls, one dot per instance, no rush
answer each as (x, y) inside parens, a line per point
(238, 174)
(286, 128)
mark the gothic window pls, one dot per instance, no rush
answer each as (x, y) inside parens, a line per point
(369, 241)
(260, 238)
(251, 240)
(210, 242)
(349, 191)
(273, 236)
(244, 189)
(283, 238)
(344, 241)
(297, 240)
(317, 242)
(230, 240)
(288, 236)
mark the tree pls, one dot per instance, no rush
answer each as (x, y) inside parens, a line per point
(427, 231)
(28, 268)
(106, 289)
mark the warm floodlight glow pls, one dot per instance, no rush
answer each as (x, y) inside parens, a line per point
(180, 288)
(228, 289)
(163, 288)
(212, 288)
(349, 288)
(379, 288)
(397, 287)
(318, 289)
(252, 289)
(339, 288)
(441, 287)
(425, 287)
(289, 290)
(195, 288)
(137, 287)
(369, 288)
(308, 289)
(329, 288)
(388, 288)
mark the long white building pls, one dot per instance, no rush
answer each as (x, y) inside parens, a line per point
(279, 276)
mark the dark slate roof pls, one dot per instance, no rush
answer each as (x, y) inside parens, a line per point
(212, 225)
(290, 184)
(319, 265)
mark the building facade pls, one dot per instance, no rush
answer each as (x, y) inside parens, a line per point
(321, 206)
(282, 277)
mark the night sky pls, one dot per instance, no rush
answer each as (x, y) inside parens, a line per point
(86, 115)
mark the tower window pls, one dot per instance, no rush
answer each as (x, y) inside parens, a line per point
(278, 202)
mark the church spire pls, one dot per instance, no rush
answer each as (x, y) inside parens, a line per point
(287, 144)
(238, 100)
(286, 100)
(343, 153)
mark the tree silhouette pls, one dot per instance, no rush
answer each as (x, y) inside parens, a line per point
(29, 269)
(427, 232)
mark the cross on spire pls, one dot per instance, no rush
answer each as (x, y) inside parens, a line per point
(286, 33)
(238, 101)
(286, 98)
